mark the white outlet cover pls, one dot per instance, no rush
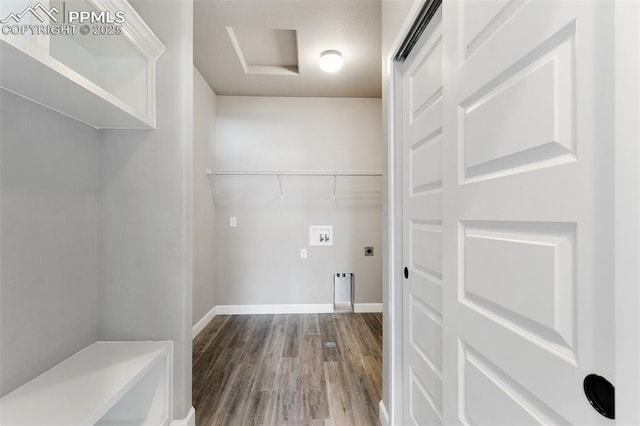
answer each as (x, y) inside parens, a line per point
(233, 221)
(303, 253)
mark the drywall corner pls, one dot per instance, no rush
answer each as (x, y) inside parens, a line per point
(204, 135)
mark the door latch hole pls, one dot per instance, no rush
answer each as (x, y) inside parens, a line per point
(601, 395)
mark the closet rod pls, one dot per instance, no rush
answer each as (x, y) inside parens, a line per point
(293, 172)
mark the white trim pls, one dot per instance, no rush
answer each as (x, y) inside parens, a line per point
(383, 415)
(135, 29)
(367, 307)
(317, 308)
(190, 420)
(203, 322)
(236, 46)
(246, 172)
(393, 310)
(627, 210)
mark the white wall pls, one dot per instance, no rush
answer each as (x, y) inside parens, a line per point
(258, 262)
(145, 230)
(48, 229)
(97, 226)
(204, 119)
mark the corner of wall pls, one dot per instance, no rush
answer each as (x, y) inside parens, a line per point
(204, 118)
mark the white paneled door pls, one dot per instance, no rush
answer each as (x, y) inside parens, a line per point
(422, 229)
(507, 133)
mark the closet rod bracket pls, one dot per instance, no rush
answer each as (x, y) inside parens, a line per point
(335, 182)
(280, 183)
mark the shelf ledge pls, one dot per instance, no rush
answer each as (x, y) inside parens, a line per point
(84, 387)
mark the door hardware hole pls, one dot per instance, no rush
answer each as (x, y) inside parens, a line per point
(601, 395)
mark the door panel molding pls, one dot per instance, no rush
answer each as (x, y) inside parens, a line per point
(539, 62)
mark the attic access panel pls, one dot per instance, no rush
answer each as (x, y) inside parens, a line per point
(266, 50)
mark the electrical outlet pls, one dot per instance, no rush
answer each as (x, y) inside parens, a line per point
(303, 253)
(368, 251)
(233, 222)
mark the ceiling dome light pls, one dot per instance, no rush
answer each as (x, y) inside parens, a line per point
(330, 61)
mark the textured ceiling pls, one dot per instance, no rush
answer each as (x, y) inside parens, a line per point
(351, 26)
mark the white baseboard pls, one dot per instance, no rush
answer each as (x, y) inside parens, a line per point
(206, 319)
(383, 415)
(317, 308)
(190, 420)
(367, 307)
(312, 308)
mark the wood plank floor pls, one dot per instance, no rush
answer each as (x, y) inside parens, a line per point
(277, 370)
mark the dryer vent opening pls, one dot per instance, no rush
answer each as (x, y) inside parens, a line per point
(343, 284)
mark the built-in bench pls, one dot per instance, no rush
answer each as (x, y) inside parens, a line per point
(106, 383)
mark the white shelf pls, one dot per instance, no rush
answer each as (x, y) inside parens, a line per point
(59, 88)
(280, 173)
(106, 81)
(105, 383)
